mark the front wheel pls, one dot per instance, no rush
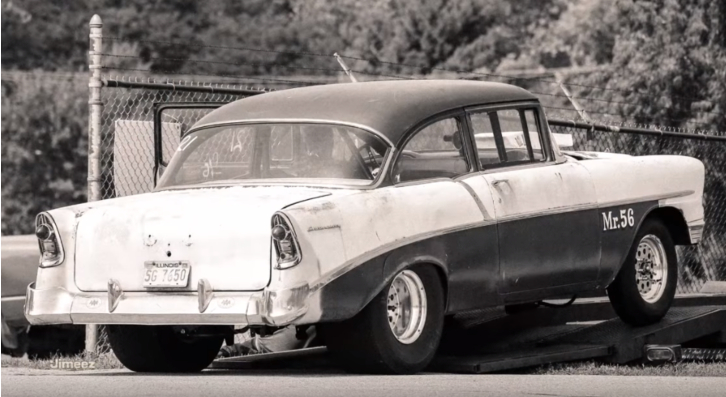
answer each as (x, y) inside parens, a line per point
(398, 332)
(644, 289)
(143, 348)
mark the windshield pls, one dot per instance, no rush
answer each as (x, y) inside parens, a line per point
(283, 152)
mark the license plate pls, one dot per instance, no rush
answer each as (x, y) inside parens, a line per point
(166, 274)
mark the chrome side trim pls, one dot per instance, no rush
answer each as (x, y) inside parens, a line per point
(422, 181)
(652, 197)
(549, 212)
(504, 167)
(321, 228)
(588, 206)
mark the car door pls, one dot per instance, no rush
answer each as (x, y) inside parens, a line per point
(545, 209)
(439, 153)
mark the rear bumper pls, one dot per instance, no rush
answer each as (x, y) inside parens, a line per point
(60, 306)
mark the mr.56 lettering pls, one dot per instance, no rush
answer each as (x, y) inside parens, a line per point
(624, 219)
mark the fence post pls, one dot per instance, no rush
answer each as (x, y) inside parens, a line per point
(95, 109)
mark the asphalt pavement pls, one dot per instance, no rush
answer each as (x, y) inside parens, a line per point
(301, 383)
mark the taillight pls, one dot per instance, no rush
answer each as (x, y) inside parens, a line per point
(51, 251)
(285, 242)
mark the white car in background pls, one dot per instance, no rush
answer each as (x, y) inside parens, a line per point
(19, 268)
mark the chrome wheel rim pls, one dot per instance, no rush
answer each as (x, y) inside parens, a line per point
(406, 304)
(651, 268)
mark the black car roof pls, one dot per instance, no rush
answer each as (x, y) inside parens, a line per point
(389, 107)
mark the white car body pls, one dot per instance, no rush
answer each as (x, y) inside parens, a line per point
(353, 239)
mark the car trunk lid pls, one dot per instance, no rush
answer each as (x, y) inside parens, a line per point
(224, 235)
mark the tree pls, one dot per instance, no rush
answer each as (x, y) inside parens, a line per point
(44, 149)
(665, 60)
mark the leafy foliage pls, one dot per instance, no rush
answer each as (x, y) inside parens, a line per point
(665, 59)
(44, 149)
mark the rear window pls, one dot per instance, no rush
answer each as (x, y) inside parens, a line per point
(291, 152)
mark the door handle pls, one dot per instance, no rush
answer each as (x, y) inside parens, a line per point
(498, 182)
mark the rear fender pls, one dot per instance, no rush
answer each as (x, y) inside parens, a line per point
(350, 293)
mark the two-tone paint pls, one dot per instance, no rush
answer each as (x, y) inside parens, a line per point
(497, 236)
(535, 237)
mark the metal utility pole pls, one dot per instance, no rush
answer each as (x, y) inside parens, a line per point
(95, 110)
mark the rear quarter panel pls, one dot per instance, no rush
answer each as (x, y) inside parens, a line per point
(353, 244)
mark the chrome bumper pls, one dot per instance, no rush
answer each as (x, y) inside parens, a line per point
(59, 306)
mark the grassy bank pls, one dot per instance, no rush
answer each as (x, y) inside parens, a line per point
(109, 361)
(102, 361)
(594, 368)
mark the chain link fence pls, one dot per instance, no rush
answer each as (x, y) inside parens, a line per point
(127, 128)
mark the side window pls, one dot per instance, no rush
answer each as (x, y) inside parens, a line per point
(513, 138)
(436, 151)
(507, 136)
(535, 136)
(486, 145)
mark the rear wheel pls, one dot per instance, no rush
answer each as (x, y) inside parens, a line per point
(644, 289)
(142, 348)
(398, 332)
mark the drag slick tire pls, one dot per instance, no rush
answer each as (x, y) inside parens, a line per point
(398, 332)
(644, 289)
(143, 348)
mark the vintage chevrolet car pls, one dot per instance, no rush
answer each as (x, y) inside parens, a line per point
(372, 211)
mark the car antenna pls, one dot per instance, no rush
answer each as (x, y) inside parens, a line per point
(580, 111)
(345, 68)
